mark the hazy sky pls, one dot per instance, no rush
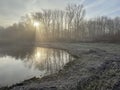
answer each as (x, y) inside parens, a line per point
(12, 10)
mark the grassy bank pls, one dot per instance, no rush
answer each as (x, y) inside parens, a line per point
(97, 67)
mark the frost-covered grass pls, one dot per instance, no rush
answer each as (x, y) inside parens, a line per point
(97, 67)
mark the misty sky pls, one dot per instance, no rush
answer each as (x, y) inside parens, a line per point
(12, 10)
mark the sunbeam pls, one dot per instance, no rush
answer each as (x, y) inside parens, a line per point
(36, 24)
(43, 42)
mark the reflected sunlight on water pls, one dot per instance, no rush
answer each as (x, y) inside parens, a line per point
(19, 65)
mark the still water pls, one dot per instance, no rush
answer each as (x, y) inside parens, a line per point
(19, 64)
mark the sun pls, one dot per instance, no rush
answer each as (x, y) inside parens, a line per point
(36, 24)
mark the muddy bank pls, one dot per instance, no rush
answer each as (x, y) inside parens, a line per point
(97, 67)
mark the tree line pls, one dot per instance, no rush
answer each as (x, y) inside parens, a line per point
(68, 25)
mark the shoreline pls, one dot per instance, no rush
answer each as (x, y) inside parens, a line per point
(93, 62)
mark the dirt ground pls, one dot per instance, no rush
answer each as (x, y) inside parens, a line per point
(96, 67)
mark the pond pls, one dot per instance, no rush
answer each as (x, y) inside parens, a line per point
(19, 64)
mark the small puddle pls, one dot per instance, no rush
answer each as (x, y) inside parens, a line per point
(18, 64)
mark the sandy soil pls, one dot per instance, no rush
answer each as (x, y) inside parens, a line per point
(96, 67)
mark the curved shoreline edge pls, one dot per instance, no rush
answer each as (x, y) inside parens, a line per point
(94, 67)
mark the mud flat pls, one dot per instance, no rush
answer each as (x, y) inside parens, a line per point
(96, 67)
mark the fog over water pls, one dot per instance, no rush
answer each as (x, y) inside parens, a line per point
(39, 62)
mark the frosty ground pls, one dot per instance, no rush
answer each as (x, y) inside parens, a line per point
(96, 67)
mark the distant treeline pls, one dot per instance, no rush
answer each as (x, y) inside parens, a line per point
(66, 25)
(16, 34)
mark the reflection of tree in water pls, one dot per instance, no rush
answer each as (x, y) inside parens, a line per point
(50, 60)
(17, 52)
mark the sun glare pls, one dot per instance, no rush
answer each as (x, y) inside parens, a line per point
(38, 57)
(36, 24)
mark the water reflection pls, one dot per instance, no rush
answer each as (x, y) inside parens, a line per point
(17, 65)
(50, 60)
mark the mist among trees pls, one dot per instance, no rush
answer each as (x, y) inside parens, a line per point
(68, 25)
